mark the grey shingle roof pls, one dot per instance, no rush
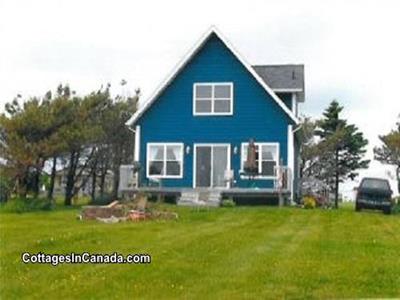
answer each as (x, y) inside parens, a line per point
(283, 77)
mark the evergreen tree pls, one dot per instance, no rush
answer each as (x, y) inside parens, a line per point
(389, 152)
(29, 137)
(86, 134)
(82, 136)
(344, 148)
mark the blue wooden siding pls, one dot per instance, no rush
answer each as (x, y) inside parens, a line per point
(255, 114)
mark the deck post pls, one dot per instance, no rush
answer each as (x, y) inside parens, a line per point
(280, 183)
(280, 196)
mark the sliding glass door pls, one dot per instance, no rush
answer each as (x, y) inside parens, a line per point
(211, 162)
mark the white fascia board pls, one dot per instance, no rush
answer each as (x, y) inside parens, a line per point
(286, 90)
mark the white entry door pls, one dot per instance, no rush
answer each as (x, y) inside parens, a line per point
(210, 163)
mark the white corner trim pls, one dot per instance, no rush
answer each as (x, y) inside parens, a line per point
(187, 58)
(136, 152)
(290, 157)
(294, 103)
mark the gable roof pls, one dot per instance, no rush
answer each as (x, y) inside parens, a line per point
(186, 59)
(281, 78)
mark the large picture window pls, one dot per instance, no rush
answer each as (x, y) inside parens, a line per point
(213, 98)
(164, 160)
(267, 158)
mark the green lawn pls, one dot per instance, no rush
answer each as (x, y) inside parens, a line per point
(229, 253)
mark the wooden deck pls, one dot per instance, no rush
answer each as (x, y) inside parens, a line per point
(232, 192)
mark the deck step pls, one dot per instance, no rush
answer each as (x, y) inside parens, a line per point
(199, 198)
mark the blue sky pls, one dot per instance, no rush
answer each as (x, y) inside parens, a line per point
(350, 49)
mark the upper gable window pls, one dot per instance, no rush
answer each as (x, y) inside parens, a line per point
(213, 99)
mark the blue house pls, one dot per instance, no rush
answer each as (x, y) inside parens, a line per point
(192, 134)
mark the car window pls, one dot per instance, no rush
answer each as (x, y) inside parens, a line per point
(375, 184)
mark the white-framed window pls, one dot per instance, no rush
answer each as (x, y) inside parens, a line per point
(214, 99)
(267, 158)
(164, 160)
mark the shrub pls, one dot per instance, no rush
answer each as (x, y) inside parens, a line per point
(81, 200)
(396, 208)
(309, 202)
(22, 205)
(5, 188)
(228, 203)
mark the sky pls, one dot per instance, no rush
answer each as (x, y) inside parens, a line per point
(350, 50)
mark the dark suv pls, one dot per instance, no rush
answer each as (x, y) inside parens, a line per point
(374, 193)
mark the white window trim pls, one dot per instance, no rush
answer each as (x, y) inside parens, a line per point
(212, 113)
(242, 160)
(180, 176)
(212, 167)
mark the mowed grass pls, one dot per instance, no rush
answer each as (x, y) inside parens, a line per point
(225, 253)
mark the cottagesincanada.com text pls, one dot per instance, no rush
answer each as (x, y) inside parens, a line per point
(84, 258)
